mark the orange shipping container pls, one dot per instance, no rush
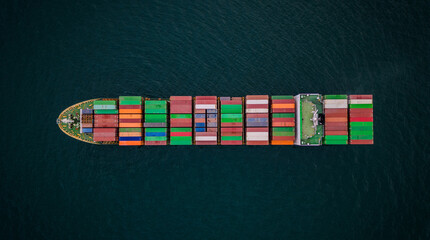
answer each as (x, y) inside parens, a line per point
(283, 124)
(130, 125)
(130, 116)
(130, 143)
(129, 111)
(336, 133)
(339, 119)
(130, 134)
(282, 105)
(280, 142)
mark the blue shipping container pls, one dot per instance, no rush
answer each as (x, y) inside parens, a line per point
(200, 129)
(212, 125)
(130, 138)
(200, 124)
(212, 111)
(212, 115)
(87, 130)
(155, 134)
(257, 119)
(87, 111)
(257, 124)
(199, 115)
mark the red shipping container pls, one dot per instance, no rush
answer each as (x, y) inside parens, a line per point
(332, 133)
(360, 96)
(212, 129)
(231, 130)
(284, 138)
(257, 106)
(206, 98)
(231, 102)
(206, 102)
(257, 97)
(181, 134)
(104, 139)
(283, 119)
(181, 109)
(206, 133)
(335, 110)
(360, 110)
(104, 130)
(335, 115)
(231, 124)
(353, 115)
(236, 98)
(231, 142)
(257, 129)
(130, 106)
(257, 115)
(279, 101)
(361, 119)
(355, 142)
(283, 110)
(231, 134)
(176, 125)
(130, 120)
(105, 116)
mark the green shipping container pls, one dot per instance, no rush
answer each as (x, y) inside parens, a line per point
(130, 102)
(335, 142)
(282, 97)
(130, 129)
(231, 138)
(283, 129)
(283, 134)
(155, 111)
(361, 128)
(156, 130)
(106, 111)
(360, 105)
(150, 118)
(181, 138)
(335, 96)
(180, 116)
(181, 142)
(181, 130)
(130, 98)
(368, 133)
(283, 115)
(361, 123)
(155, 138)
(231, 120)
(354, 137)
(336, 137)
(105, 102)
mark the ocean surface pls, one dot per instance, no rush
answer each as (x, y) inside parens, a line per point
(57, 53)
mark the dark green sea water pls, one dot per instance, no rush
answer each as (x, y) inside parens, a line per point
(56, 53)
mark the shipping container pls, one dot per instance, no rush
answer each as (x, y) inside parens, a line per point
(361, 119)
(283, 120)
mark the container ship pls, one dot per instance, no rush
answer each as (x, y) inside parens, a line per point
(309, 119)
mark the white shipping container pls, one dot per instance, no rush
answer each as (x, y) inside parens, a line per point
(205, 106)
(257, 101)
(205, 138)
(257, 110)
(257, 136)
(361, 101)
(337, 101)
(104, 106)
(336, 105)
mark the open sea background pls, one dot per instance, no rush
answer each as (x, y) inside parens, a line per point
(57, 53)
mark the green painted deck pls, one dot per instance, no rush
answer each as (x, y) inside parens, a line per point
(310, 134)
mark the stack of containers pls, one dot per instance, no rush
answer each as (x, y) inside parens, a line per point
(283, 120)
(87, 120)
(257, 120)
(181, 122)
(231, 121)
(155, 122)
(205, 120)
(336, 119)
(361, 119)
(130, 121)
(105, 114)
(105, 135)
